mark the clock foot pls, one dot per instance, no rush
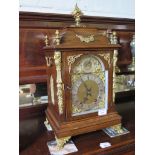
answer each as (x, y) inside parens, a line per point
(117, 128)
(61, 142)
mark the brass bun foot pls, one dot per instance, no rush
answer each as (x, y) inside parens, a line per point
(118, 128)
(61, 142)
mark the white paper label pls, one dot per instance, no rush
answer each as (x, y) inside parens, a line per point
(102, 112)
(48, 127)
(105, 144)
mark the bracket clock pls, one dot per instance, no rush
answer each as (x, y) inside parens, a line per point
(81, 80)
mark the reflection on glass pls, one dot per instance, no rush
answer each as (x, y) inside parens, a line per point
(32, 94)
(125, 83)
(132, 45)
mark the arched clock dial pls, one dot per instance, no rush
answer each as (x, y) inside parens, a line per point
(89, 85)
(87, 94)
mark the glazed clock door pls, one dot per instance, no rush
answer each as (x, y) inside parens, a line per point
(89, 81)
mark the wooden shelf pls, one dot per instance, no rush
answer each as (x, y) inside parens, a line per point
(32, 111)
(88, 144)
(33, 136)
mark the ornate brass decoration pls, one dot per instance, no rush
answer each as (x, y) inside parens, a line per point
(99, 72)
(46, 41)
(74, 78)
(112, 36)
(61, 142)
(77, 13)
(106, 56)
(48, 60)
(114, 74)
(85, 39)
(57, 37)
(95, 67)
(117, 128)
(52, 89)
(75, 109)
(117, 69)
(57, 59)
(131, 67)
(71, 60)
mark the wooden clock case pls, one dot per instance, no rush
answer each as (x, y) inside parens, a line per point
(59, 113)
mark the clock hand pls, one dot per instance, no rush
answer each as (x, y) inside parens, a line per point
(87, 89)
(89, 92)
(85, 99)
(84, 84)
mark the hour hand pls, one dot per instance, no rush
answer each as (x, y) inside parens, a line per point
(89, 92)
(84, 84)
(85, 99)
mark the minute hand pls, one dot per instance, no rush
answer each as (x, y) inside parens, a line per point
(87, 89)
(84, 84)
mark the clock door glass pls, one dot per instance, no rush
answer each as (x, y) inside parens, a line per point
(88, 86)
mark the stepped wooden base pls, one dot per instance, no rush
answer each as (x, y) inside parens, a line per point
(72, 128)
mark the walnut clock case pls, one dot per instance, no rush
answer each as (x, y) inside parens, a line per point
(81, 81)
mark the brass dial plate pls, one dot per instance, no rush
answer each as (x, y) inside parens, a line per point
(88, 86)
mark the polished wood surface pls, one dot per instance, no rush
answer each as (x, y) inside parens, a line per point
(31, 124)
(88, 144)
(34, 26)
(32, 111)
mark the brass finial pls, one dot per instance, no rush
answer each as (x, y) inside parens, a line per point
(57, 37)
(46, 40)
(77, 13)
(115, 41)
(114, 33)
(57, 33)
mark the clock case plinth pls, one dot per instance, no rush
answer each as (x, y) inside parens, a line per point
(59, 108)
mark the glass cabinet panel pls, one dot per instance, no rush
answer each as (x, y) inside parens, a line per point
(32, 94)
